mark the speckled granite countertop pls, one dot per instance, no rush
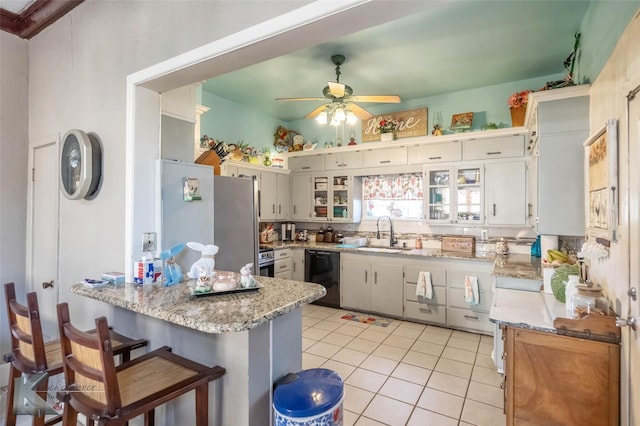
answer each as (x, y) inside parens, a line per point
(518, 266)
(211, 314)
(424, 252)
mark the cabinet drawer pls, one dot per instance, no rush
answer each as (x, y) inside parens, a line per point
(439, 295)
(465, 318)
(438, 276)
(456, 279)
(385, 157)
(282, 253)
(423, 312)
(343, 161)
(283, 265)
(508, 146)
(456, 299)
(435, 153)
(308, 163)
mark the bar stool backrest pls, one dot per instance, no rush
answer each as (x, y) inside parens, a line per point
(89, 366)
(27, 344)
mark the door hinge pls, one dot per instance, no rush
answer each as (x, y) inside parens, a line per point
(33, 175)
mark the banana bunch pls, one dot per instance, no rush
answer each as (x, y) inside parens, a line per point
(557, 257)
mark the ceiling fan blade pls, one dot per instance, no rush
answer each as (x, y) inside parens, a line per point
(301, 99)
(359, 112)
(336, 89)
(315, 112)
(389, 99)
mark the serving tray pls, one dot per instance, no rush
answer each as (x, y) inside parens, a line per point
(218, 293)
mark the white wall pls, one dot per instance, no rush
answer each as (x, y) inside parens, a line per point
(13, 173)
(77, 79)
(608, 100)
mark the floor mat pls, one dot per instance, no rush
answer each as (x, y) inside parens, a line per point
(367, 319)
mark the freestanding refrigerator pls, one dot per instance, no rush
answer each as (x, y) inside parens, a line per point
(225, 215)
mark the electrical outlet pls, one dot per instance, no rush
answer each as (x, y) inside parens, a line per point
(149, 241)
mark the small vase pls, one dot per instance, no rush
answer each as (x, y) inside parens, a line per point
(386, 137)
(517, 116)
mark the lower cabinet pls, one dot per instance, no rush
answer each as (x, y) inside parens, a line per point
(419, 308)
(560, 380)
(298, 264)
(460, 313)
(283, 264)
(387, 285)
(371, 284)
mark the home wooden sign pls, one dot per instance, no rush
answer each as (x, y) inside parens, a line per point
(413, 122)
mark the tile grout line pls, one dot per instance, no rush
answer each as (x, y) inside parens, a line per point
(389, 375)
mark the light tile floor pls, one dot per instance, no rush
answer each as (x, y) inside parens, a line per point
(407, 373)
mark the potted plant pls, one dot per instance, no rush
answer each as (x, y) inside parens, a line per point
(386, 127)
(518, 106)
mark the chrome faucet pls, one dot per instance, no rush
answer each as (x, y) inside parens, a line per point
(392, 240)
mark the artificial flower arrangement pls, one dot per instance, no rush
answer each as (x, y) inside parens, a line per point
(519, 99)
(388, 125)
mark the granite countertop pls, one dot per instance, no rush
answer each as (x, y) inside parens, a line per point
(393, 251)
(212, 314)
(518, 266)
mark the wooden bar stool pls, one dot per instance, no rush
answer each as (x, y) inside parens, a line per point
(109, 395)
(30, 355)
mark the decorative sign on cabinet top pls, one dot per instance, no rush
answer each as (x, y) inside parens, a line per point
(413, 123)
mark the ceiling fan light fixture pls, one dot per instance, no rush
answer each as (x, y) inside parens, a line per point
(339, 114)
(322, 117)
(351, 118)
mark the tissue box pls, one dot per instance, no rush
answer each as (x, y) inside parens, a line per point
(113, 277)
(147, 271)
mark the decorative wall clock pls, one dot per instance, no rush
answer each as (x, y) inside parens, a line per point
(80, 165)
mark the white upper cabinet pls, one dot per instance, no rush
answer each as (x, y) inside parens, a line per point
(506, 193)
(301, 196)
(396, 156)
(308, 163)
(274, 196)
(343, 160)
(500, 147)
(180, 103)
(435, 152)
(559, 124)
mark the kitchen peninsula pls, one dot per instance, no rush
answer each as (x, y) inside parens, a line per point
(256, 336)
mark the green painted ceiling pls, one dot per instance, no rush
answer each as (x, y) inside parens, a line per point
(451, 46)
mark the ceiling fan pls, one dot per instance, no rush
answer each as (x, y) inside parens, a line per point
(342, 105)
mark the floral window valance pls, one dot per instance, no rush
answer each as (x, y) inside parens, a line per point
(394, 188)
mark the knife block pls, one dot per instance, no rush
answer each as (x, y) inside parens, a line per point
(210, 158)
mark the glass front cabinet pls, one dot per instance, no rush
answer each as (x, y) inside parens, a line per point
(335, 198)
(454, 194)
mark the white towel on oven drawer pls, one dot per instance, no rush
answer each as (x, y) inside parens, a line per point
(471, 293)
(424, 287)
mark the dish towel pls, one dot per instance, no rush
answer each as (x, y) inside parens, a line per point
(424, 287)
(471, 293)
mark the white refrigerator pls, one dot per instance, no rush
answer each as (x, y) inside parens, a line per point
(223, 212)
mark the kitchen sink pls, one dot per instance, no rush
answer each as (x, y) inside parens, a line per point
(380, 249)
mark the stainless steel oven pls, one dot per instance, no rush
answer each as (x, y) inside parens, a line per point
(266, 261)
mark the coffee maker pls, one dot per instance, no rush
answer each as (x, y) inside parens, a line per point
(288, 231)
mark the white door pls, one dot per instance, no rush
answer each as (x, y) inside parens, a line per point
(42, 231)
(633, 346)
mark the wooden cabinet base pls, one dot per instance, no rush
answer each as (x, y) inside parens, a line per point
(559, 380)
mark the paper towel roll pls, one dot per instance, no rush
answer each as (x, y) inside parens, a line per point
(548, 242)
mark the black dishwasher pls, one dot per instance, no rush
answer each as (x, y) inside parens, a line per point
(323, 267)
